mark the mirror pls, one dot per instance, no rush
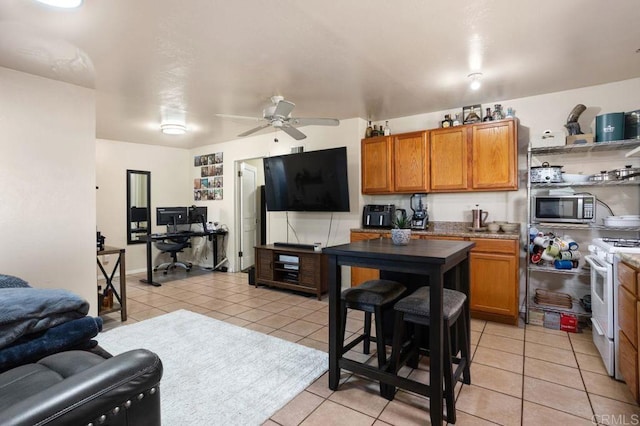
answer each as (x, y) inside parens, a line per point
(138, 206)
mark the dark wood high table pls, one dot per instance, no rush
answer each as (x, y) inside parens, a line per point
(441, 263)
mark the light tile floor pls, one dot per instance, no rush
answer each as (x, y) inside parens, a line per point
(520, 375)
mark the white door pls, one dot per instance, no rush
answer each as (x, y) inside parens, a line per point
(248, 214)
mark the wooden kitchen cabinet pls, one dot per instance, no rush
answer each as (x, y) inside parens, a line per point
(449, 159)
(494, 156)
(377, 166)
(395, 164)
(411, 162)
(360, 275)
(476, 157)
(494, 284)
(629, 321)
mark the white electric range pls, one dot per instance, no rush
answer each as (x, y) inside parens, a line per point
(604, 296)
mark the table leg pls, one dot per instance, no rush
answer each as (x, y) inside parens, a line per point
(435, 349)
(123, 287)
(335, 319)
(149, 279)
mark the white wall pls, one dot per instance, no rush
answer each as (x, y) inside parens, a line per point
(310, 227)
(47, 173)
(170, 182)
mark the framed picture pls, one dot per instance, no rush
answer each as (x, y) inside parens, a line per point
(472, 114)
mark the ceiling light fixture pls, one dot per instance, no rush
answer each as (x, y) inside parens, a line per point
(475, 80)
(67, 4)
(173, 128)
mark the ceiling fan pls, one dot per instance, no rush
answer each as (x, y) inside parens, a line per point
(278, 115)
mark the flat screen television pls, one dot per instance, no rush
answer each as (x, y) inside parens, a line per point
(314, 181)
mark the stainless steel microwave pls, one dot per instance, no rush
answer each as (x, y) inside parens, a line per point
(564, 208)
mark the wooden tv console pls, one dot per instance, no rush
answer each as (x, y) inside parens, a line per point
(291, 268)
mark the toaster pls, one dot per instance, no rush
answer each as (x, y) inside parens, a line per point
(378, 215)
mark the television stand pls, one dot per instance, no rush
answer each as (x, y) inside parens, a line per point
(299, 269)
(295, 246)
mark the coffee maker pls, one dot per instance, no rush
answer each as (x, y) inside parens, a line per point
(420, 217)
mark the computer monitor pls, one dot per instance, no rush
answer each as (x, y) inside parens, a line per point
(198, 214)
(171, 216)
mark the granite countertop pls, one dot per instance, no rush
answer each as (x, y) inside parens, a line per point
(452, 229)
(631, 259)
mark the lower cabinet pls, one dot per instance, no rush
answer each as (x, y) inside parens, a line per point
(629, 320)
(293, 269)
(494, 280)
(493, 275)
(360, 275)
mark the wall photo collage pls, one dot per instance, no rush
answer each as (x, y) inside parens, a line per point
(209, 185)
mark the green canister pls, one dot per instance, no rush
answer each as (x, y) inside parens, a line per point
(610, 127)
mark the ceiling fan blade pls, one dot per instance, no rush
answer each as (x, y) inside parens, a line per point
(239, 117)
(283, 109)
(255, 129)
(293, 132)
(314, 121)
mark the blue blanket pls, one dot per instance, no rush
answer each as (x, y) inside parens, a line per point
(24, 311)
(75, 334)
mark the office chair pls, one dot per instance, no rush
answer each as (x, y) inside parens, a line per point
(173, 245)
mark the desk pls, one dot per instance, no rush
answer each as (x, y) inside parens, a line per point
(211, 235)
(441, 263)
(121, 295)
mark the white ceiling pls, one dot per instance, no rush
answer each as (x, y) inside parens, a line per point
(378, 59)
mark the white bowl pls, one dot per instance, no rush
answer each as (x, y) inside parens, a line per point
(493, 227)
(569, 177)
(510, 227)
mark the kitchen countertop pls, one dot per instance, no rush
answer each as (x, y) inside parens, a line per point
(631, 259)
(451, 229)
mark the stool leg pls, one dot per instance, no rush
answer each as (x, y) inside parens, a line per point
(388, 391)
(343, 326)
(416, 336)
(366, 345)
(448, 375)
(465, 350)
(380, 346)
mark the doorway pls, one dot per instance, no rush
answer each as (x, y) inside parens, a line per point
(247, 218)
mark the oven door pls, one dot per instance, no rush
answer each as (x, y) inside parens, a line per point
(602, 309)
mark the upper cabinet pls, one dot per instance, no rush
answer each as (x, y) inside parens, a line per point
(449, 159)
(395, 164)
(494, 156)
(475, 157)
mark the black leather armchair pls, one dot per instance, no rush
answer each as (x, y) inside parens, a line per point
(82, 388)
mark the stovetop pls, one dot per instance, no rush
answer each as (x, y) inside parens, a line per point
(617, 245)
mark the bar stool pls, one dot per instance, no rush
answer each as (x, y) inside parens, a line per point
(372, 296)
(415, 310)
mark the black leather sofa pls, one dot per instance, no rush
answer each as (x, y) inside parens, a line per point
(83, 388)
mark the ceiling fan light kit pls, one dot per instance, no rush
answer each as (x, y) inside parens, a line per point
(173, 128)
(278, 116)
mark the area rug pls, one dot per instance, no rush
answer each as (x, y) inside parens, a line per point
(217, 373)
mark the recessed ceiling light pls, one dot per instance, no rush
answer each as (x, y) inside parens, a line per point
(173, 128)
(475, 80)
(67, 4)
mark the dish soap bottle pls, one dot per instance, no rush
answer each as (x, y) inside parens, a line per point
(387, 129)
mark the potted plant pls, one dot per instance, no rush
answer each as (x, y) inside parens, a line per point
(401, 231)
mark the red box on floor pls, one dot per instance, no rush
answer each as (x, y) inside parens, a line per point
(569, 323)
